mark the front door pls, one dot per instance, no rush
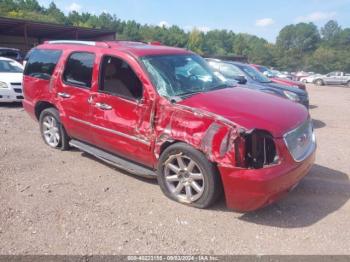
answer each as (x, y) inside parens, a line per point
(121, 112)
(74, 92)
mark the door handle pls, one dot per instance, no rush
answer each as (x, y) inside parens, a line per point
(103, 106)
(64, 95)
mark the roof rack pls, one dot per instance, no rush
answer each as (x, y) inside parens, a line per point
(76, 42)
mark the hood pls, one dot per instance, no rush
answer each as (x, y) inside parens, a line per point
(272, 85)
(251, 109)
(282, 87)
(11, 77)
(288, 82)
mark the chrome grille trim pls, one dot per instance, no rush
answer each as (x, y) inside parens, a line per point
(305, 128)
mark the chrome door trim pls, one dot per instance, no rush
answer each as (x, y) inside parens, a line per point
(110, 130)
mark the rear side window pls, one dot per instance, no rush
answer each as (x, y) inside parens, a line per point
(78, 70)
(41, 63)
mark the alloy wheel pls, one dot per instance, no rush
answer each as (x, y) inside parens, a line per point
(184, 178)
(51, 131)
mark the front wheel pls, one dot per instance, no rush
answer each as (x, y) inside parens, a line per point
(51, 129)
(348, 84)
(187, 176)
(319, 82)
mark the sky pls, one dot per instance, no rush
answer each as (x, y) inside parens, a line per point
(264, 18)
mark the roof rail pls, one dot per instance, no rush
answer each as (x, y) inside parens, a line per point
(76, 42)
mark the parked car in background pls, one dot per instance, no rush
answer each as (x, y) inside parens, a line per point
(284, 81)
(11, 75)
(283, 74)
(162, 112)
(333, 78)
(310, 79)
(11, 53)
(249, 77)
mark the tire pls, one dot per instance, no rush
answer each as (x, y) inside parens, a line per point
(184, 185)
(319, 82)
(348, 84)
(51, 129)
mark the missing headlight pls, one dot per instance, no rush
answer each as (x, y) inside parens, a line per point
(260, 149)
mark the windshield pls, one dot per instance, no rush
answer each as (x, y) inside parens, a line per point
(181, 75)
(254, 74)
(10, 67)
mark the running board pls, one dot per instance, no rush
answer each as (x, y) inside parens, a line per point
(114, 160)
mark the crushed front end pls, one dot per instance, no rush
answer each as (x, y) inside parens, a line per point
(267, 167)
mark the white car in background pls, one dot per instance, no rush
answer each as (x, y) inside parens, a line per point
(11, 75)
(310, 78)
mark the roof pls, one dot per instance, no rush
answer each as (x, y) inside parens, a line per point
(227, 61)
(6, 59)
(143, 49)
(8, 48)
(137, 49)
(15, 27)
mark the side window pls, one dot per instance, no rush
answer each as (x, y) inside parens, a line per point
(78, 69)
(117, 78)
(229, 71)
(41, 63)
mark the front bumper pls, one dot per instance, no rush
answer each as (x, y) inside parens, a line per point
(10, 95)
(251, 189)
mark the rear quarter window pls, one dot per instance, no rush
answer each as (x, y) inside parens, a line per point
(41, 63)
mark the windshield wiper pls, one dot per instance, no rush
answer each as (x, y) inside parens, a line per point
(221, 86)
(187, 94)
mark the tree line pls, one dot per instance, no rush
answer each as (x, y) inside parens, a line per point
(300, 46)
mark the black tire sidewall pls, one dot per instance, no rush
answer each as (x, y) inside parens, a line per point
(212, 181)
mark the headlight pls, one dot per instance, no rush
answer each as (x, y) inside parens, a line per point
(3, 85)
(292, 96)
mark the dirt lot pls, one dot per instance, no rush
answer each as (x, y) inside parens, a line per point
(54, 202)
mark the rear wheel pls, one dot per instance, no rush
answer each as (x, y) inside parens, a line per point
(319, 82)
(348, 84)
(51, 129)
(187, 176)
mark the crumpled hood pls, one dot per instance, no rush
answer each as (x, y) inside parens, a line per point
(251, 109)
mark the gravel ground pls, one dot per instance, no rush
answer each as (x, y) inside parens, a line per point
(54, 202)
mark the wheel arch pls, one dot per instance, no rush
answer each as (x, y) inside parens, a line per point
(41, 106)
(319, 79)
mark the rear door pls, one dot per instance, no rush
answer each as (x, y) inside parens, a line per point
(73, 93)
(121, 110)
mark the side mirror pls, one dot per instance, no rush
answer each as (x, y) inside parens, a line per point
(241, 80)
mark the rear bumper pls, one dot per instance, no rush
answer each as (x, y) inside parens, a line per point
(251, 189)
(29, 108)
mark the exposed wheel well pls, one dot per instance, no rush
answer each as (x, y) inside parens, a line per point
(165, 145)
(40, 106)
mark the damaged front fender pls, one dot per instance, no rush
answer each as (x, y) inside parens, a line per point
(222, 141)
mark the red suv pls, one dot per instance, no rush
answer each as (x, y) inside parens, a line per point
(159, 111)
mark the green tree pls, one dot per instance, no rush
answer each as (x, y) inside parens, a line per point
(330, 31)
(195, 41)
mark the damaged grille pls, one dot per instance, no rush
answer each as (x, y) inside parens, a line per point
(260, 149)
(301, 141)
